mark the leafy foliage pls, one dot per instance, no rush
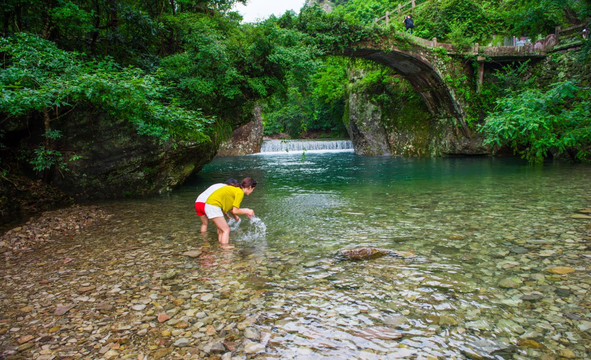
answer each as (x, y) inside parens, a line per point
(38, 77)
(535, 123)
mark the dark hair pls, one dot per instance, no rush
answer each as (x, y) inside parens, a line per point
(248, 182)
(232, 182)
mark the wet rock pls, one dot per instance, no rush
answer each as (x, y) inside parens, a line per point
(206, 297)
(447, 320)
(378, 332)
(562, 292)
(395, 320)
(532, 296)
(561, 270)
(182, 342)
(162, 317)
(171, 274)
(567, 353)
(193, 253)
(161, 353)
(510, 326)
(585, 326)
(488, 349)
(363, 253)
(478, 325)
(62, 309)
(214, 347)
(251, 347)
(252, 334)
(529, 343)
(519, 250)
(511, 283)
(111, 354)
(25, 339)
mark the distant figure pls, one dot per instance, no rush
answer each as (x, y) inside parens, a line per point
(585, 33)
(409, 24)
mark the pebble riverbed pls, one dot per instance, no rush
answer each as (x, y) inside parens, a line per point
(484, 270)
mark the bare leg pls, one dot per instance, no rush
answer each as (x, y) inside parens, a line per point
(223, 230)
(203, 223)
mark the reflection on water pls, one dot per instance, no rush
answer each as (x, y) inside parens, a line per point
(482, 234)
(472, 247)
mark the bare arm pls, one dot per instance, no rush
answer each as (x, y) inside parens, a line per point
(243, 211)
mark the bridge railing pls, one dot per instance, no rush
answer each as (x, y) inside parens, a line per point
(407, 5)
(537, 47)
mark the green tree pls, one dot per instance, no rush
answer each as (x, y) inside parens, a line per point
(39, 78)
(537, 124)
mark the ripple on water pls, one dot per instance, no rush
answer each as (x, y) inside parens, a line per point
(455, 229)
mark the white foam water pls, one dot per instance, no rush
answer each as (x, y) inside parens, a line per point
(234, 224)
(256, 230)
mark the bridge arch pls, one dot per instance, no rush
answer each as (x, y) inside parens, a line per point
(419, 72)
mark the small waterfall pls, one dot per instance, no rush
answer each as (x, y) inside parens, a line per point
(283, 146)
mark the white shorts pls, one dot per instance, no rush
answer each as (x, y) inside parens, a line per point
(213, 211)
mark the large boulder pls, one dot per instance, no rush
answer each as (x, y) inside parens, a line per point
(245, 140)
(117, 162)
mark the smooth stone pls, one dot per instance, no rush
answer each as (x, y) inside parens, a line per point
(395, 320)
(363, 253)
(567, 353)
(561, 270)
(214, 347)
(111, 354)
(169, 275)
(519, 250)
(532, 296)
(510, 283)
(252, 334)
(182, 342)
(138, 307)
(510, 326)
(584, 325)
(192, 253)
(447, 320)
(25, 339)
(478, 325)
(162, 317)
(251, 347)
(161, 353)
(62, 309)
(529, 343)
(206, 297)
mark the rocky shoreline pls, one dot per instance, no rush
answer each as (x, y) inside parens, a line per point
(43, 228)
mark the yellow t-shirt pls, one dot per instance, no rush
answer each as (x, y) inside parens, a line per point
(226, 197)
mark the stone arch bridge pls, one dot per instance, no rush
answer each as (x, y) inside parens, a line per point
(438, 72)
(427, 65)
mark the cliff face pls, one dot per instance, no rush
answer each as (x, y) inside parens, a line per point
(245, 140)
(116, 162)
(396, 121)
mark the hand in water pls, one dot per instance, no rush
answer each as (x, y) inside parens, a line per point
(249, 213)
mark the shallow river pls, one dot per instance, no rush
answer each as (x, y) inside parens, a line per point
(484, 260)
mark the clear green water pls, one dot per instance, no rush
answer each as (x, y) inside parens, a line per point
(455, 229)
(469, 223)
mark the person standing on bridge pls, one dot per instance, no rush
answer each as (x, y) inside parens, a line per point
(409, 24)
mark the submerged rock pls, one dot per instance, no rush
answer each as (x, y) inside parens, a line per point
(363, 253)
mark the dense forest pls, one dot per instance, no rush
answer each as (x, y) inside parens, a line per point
(190, 70)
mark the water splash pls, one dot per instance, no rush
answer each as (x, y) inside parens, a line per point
(234, 224)
(255, 230)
